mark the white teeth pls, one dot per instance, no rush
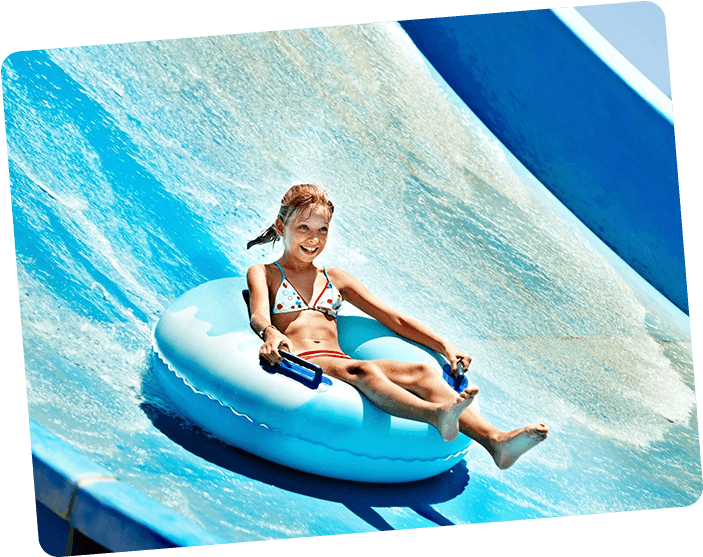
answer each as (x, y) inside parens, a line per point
(309, 250)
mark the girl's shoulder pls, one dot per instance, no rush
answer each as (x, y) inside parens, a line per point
(265, 271)
(338, 277)
(333, 272)
(256, 270)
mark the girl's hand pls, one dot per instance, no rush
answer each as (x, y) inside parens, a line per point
(454, 356)
(275, 341)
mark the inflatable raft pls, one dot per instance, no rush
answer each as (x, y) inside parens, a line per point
(208, 363)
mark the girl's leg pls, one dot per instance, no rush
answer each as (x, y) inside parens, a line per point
(368, 377)
(504, 446)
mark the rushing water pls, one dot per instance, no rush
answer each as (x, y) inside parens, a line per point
(140, 170)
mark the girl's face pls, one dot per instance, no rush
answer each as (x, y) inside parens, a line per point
(305, 234)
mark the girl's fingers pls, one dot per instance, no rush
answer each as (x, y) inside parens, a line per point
(465, 361)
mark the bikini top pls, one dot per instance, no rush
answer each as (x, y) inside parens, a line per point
(289, 300)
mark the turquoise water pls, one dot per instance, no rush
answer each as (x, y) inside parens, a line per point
(140, 170)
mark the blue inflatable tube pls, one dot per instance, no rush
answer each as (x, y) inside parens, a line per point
(208, 363)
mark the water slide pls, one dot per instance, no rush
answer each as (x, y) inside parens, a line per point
(599, 136)
(139, 170)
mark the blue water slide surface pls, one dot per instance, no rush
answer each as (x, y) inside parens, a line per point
(599, 136)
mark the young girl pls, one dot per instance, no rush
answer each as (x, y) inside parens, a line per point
(294, 305)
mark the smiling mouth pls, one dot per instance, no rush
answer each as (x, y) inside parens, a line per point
(308, 250)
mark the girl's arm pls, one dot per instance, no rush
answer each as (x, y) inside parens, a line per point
(358, 295)
(260, 319)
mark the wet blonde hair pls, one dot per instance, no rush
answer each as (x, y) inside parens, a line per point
(297, 198)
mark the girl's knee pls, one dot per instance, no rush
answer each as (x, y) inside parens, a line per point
(365, 372)
(424, 370)
(420, 374)
(429, 383)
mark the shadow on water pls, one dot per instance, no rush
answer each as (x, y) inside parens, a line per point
(358, 497)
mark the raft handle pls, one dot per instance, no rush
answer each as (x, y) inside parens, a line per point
(296, 368)
(458, 382)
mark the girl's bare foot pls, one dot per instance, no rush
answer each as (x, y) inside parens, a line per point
(448, 418)
(512, 445)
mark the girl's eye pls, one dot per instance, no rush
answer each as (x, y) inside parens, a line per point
(303, 227)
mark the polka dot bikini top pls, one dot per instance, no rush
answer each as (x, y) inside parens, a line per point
(289, 300)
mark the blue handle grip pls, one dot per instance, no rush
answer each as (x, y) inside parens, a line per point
(458, 382)
(296, 368)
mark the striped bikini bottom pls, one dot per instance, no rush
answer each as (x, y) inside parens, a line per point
(323, 354)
